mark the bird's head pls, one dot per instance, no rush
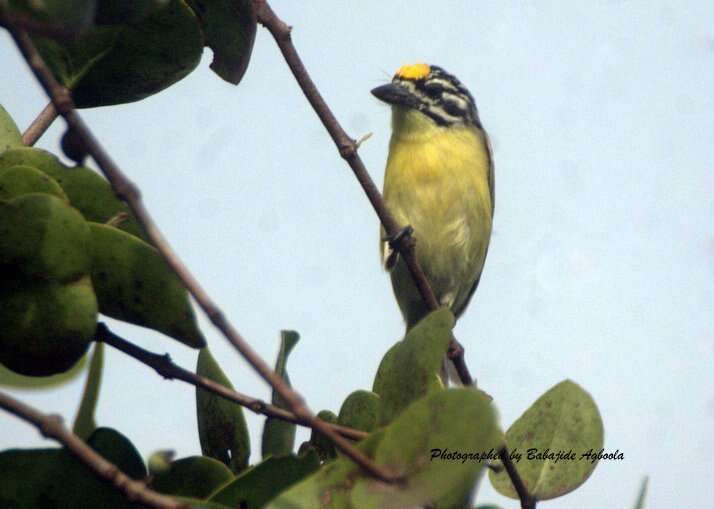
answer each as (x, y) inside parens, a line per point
(431, 91)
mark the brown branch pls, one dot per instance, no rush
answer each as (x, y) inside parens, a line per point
(51, 427)
(402, 240)
(527, 500)
(127, 191)
(40, 125)
(163, 365)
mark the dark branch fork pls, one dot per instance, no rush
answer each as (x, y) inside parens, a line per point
(163, 365)
(127, 191)
(400, 238)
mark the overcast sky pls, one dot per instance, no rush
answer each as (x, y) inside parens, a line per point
(601, 267)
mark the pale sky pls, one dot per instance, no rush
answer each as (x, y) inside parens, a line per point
(601, 267)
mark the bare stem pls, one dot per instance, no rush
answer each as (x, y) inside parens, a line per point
(163, 365)
(40, 125)
(527, 500)
(51, 427)
(404, 241)
(129, 192)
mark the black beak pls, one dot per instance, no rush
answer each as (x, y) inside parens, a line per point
(395, 94)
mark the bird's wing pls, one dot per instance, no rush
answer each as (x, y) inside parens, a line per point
(492, 192)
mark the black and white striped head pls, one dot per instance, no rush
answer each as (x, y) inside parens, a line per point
(432, 91)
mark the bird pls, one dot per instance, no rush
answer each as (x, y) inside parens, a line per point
(439, 180)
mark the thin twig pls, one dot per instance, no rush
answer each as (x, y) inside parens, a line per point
(51, 427)
(404, 241)
(40, 125)
(128, 191)
(527, 500)
(163, 365)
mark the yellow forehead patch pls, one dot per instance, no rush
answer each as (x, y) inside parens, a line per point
(413, 71)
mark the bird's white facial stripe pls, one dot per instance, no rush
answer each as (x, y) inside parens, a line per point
(456, 100)
(444, 84)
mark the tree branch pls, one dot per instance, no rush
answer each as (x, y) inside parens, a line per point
(402, 241)
(40, 125)
(128, 191)
(527, 500)
(51, 427)
(163, 365)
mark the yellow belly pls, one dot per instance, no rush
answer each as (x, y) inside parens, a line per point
(437, 181)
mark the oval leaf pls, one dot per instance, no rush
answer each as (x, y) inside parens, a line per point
(229, 27)
(114, 65)
(69, 15)
(134, 284)
(54, 478)
(194, 477)
(561, 426)
(88, 192)
(360, 411)
(279, 436)
(263, 482)
(409, 370)
(22, 179)
(9, 378)
(221, 425)
(10, 135)
(84, 423)
(323, 445)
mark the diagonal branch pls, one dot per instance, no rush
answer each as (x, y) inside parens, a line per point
(128, 191)
(527, 500)
(163, 365)
(402, 239)
(38, 126)
(51, 427)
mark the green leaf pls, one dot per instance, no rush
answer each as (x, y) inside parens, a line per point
(115, 65)
(563, 422)
(43, 238)
(200, 504)
(331, 485)
(221, 425)
(195, 477)
(54, 478)
(360, 411)
(84, 423)
(263, 482)
(229, 27)
(69, 14)
(279, 436)
(456, 420)
(410, 369)
(323, 445)
(111, 12)
(88, 192)
(9, 378)
(640, 503)
(134, 284)
(22, 179)
(10, 135)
